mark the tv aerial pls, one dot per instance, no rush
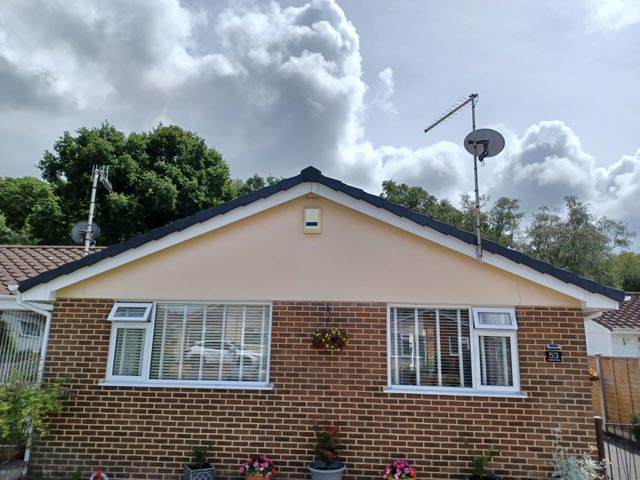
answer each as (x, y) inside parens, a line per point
(481, 143)
(88, 231)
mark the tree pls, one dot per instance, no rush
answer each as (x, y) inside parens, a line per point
(252, 184)
(29, 210)
(157, 177)
(421, 201)
(626, 270)
(576, 241)
(501, 223)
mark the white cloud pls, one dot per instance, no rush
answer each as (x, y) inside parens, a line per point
(273, 88)
(548, 163)
(386, 87)
(614, 14)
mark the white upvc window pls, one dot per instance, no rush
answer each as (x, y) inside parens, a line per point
(217, 344)
(453, 350)
(130, 312)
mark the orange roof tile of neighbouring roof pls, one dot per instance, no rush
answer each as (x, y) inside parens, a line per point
(19, 262)
(626, 317)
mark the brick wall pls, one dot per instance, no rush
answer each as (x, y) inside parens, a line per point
(146, 433)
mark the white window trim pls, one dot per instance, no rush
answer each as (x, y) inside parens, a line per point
(515, 368)
(145, 317)
(478, 325)
(115, 326)
(500, 330)
(144, 381)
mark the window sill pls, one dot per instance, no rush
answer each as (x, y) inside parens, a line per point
(177, 384)
(452, 392)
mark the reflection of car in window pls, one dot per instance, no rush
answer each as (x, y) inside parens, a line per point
(231, 354)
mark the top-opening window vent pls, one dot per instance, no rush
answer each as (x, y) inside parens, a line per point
(501, 318)
(130, 312)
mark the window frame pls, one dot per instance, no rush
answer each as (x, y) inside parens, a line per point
(509, 331)
(149, 306)
(476, 311)
(149, 325)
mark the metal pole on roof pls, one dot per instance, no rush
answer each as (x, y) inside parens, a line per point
(474, 101)
(102, 174)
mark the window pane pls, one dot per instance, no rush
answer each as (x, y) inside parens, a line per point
(210, 342)
(421, 347)
(128, 352)
(403, 346)
(495, 361)
(455, 368)
(495, 318)
(21, 335)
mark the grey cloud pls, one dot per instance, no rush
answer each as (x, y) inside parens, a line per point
(547, 164)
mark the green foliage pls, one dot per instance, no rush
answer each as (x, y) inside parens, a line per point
(576, 241)
(480, 459)
(626, 271)
(252, 184)
(157, 177)
(26, 408)
(28, 210)
(570, 466)
(419, 200)
(199, 455)
(634, 418)
(572, 239)
(500, 224)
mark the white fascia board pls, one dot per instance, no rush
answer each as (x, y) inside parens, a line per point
(47, 291)
(626, 331)
(10, 302)
(589, 300)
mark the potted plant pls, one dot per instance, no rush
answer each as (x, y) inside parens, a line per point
(327, 465)
(26, 407)
(258, 467)
(480, 459)
(399, 469)
(329, 339)
(199, 468)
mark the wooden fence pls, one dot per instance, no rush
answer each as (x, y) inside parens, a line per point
(620, 381)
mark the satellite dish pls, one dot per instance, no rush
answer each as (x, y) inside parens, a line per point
(79, 231)
(484, 142)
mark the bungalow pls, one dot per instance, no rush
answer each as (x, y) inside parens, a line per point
(200, 333)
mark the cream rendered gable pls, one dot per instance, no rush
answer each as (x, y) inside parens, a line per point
(356, 258)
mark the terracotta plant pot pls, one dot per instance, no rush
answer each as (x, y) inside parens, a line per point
(259, 476)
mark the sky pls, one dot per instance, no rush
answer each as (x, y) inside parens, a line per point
(347, 86)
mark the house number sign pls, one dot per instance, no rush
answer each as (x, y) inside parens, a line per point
(553, 356)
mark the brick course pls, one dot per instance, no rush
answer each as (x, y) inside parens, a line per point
(147, 433)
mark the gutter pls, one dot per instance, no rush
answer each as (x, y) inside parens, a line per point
(45, 310)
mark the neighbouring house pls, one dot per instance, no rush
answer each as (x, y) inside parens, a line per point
(614, 338)
(22, 327)
(199, 333)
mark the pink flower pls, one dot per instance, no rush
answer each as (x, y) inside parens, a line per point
(241, 469)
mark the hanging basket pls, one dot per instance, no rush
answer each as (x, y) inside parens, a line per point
(330, 339)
